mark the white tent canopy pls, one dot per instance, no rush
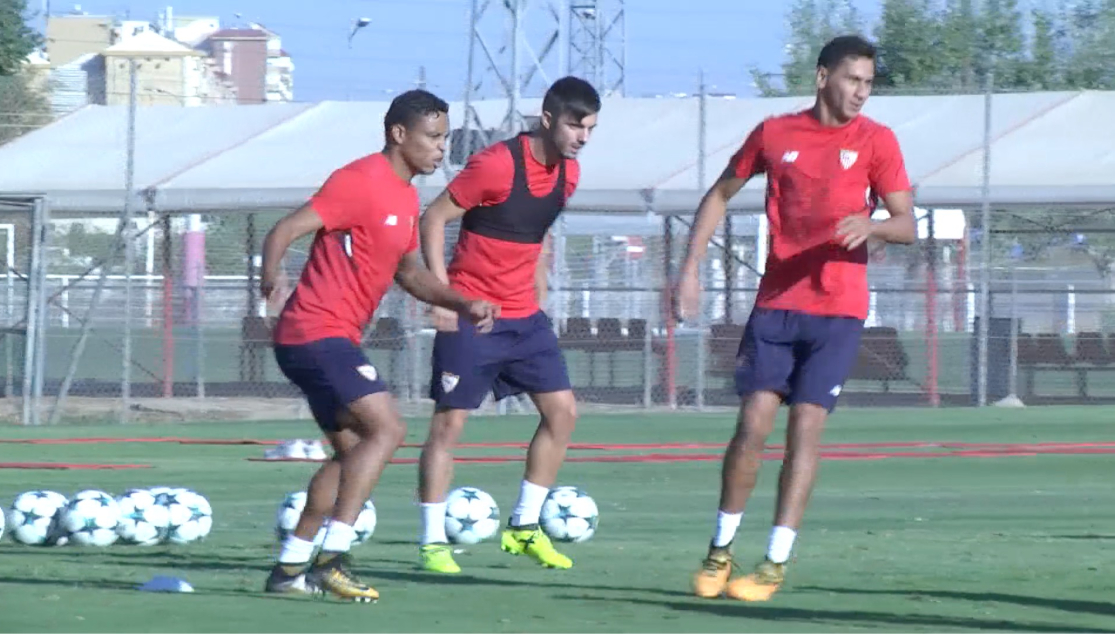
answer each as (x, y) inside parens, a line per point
(1049, 148)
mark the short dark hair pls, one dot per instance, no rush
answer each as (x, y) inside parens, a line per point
(571, 96)
(844, 47)
(410, 107)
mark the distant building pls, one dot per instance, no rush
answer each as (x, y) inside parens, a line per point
(280, 68)
(241, 55)
(167, 72)
(69, 37)
(183, 60)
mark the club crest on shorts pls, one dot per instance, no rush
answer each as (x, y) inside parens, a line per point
(449, 381)
(368, 372)
(848, 158)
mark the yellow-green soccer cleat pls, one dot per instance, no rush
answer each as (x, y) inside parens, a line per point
(438, 558)
(759, 585)
(530, 540)
(710, 581)
(332, 575)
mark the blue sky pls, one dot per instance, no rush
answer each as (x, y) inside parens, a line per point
(668, 41)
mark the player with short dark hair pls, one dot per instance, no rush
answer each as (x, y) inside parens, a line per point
(826, 167)
(508, 196)
(365, 221)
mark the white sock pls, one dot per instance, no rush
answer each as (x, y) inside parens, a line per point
(319, 539)
(726, 526)
(339, 537)
(433, 523)
(781, 543)
(529, 506)
(296, 551)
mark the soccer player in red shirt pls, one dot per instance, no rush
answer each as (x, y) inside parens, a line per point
(507, 197)
(825, 169)
(365, 221)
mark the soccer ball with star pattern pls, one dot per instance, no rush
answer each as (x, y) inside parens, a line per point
(91, 517)
(471, 516)
(33, 518)
(569, 515)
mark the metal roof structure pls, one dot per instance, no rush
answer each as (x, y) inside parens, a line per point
(1048, 148)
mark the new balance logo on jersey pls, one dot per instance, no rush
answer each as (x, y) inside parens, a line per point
(392, 221)
(790, 157)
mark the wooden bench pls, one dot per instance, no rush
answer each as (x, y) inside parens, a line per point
(256, 339)
(1049, 352)
(723, 345)
(608, 338)
(881, 357)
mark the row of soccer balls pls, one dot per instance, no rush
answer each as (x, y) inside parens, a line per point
(472, 516)
(94, 518)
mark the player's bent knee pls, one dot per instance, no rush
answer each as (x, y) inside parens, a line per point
(342, 441)
(757, 414)
(806, 425)
(558, 409)
(374, 415)
(446, 427)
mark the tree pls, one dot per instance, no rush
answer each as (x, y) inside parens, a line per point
(17, 40)
(1043, 70)
(806, 29)
(1090, 28)
(851, 20)
(958, 33)
(22, 106)
(1002, 42)
(811, 23)
(907, 39)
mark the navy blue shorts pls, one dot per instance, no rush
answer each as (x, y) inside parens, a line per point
(517, 356)
(331, 373)
(805, 358)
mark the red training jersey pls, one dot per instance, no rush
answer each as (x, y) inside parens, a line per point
(370, 216)
(816, 176)
(488, 267)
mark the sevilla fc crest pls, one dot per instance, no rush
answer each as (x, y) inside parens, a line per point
(449, 381)
(848, 158)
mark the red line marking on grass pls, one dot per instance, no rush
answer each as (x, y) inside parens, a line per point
(711, 457)
(577, 446)
(72, 466)
(835, 451)
(78, 441)
(183, 441)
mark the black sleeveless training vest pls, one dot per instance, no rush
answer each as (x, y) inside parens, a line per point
(523, 217)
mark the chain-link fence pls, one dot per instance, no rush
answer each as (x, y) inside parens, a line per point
(199, 328)
(188, 323)
(22, 304)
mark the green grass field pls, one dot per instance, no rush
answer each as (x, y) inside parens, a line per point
(1019, 543)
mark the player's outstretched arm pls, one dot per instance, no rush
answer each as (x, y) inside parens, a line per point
(902, 226)
(713, 208)
(422, 284)
(292, 227)
(432, 229)
(542, 271)
(887, 174)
